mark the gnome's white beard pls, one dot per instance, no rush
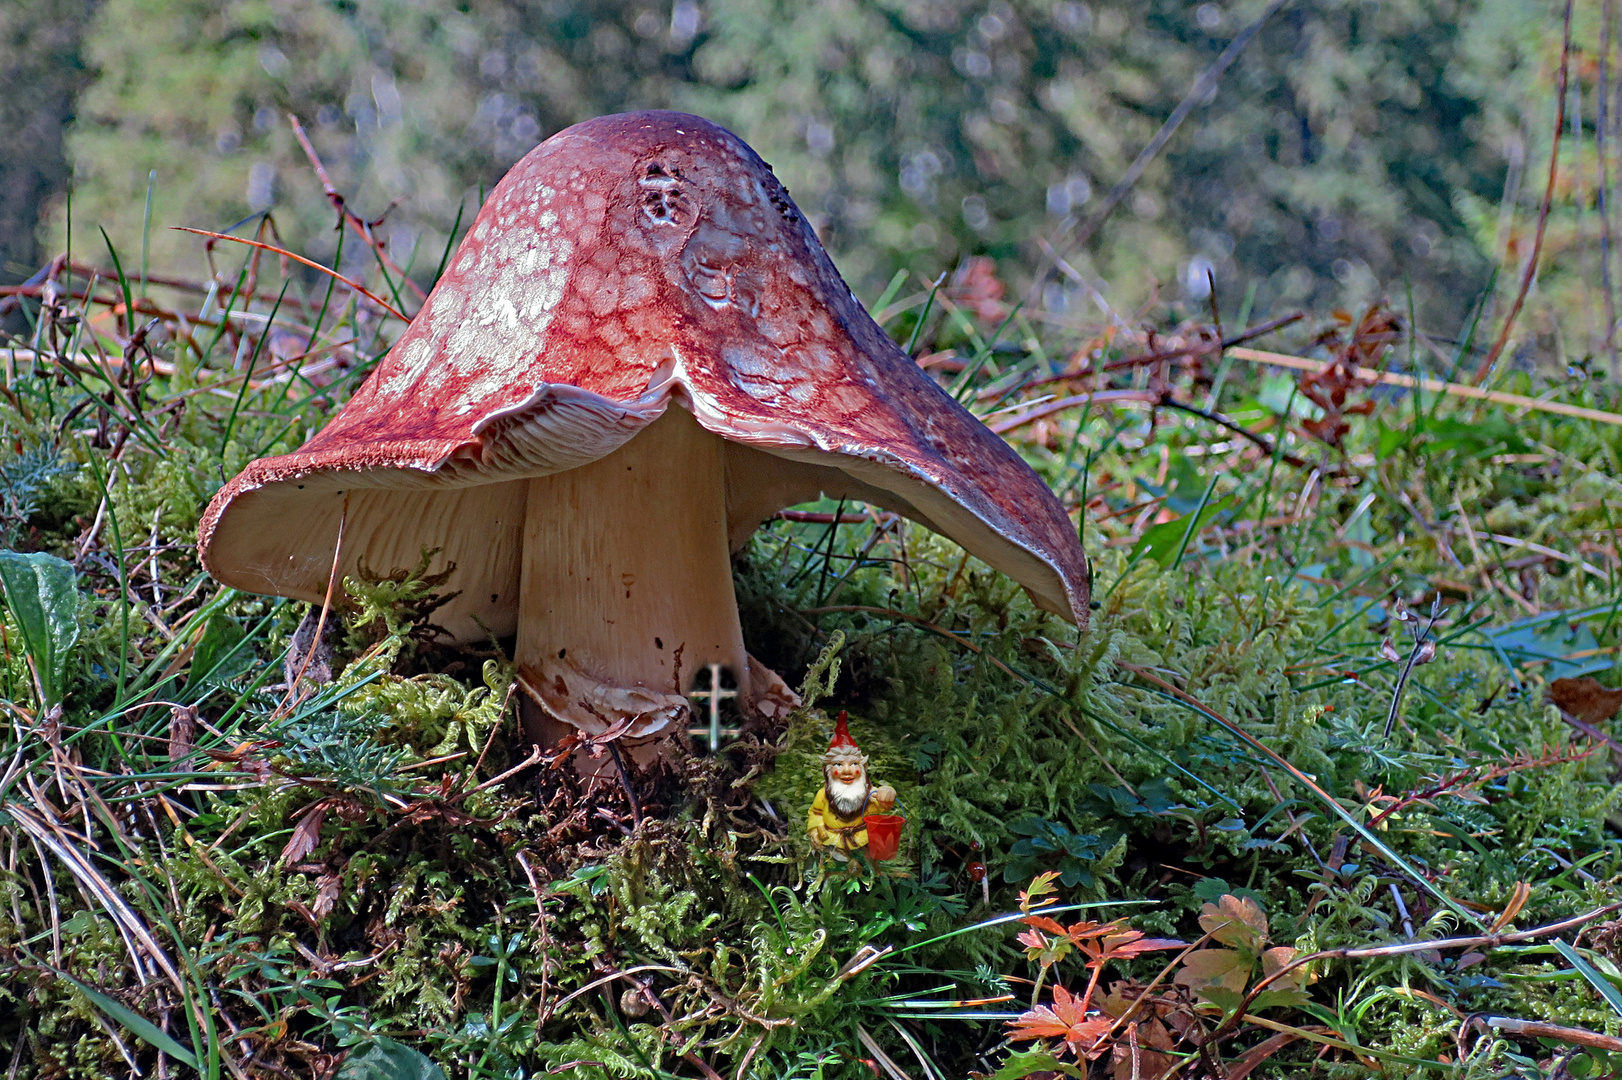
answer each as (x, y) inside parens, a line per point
(848, 800)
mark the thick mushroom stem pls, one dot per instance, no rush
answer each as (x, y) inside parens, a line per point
(626, 585)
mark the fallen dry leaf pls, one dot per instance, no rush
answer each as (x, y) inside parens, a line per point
(306, 834)
(1143, 1053)
(1214, 968)
(326, 894)
(976, 286)
(1586, 699)
(1276, 959)
(1235, 921)
(182, 730)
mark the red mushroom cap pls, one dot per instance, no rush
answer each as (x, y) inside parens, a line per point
(625, 262)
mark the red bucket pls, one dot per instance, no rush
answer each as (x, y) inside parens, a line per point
(883, 835)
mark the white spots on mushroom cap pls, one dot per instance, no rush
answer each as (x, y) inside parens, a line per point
(408, 368)
(846, 398)
(475, 335)
(635, 290)
(499, 307)
(538, 257)
(801, 391)
(606, 297)
(544, 297)
(760, 389)
(816, 360)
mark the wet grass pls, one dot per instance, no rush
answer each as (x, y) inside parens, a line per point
(1316, 679)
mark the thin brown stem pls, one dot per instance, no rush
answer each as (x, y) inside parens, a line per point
(311, 263)
(326, 609)
(360, 225)
(1223, 422)
(1601, 121)
(1543, 211)
(625, 782)
(1259, 330)
(1143, 397)
(1537, 1029)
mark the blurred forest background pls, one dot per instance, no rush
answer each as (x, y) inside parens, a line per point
(1357, 149)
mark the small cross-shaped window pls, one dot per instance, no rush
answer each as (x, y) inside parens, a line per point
(714, 695)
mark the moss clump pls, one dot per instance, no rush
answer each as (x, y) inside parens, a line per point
(236, 865)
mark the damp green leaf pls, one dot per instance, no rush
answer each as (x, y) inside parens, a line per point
(385, 1059)
(40, 591)
(1031, 1063)
(219, 655)
(1162, 542)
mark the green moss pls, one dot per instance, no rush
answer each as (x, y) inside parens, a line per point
(331, 864)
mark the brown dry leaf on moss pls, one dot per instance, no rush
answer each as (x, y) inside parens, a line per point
(306, 834)
(1586, 699)
(1278, 958)
(1369, 339)
(1206, 969)
(1152, 1056)
(1235, 921)
(1158, 1022)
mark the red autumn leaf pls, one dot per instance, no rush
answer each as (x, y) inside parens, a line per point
(1065, 1019)
(1041, 949)
(1042, 922)
(1126, 946)
(1033, 939)
(1116, 940)
(1083, 931)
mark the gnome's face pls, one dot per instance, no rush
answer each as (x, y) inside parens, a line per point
(848, 787)
(846, 772)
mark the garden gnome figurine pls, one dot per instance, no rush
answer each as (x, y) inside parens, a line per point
(838, 813)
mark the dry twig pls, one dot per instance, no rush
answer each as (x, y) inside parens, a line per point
(1543, 211)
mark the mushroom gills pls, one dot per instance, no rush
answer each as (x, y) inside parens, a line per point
(625, 590)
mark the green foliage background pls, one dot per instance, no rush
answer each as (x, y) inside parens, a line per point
(1355, 147)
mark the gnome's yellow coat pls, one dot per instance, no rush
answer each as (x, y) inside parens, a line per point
(827, 827)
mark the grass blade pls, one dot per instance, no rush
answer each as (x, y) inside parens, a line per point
(1607, 990)
(135, 1023)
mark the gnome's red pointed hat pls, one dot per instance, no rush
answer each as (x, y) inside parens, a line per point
(842, 747)
(639, 352)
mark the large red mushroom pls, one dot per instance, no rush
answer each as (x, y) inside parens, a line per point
(639, 353)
